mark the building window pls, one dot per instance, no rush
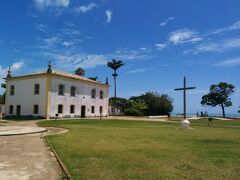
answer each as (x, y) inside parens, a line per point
(36, 89)
(35, 109)
(92, 109)
(61, 89)
(72, 109)
(11, 109)
(12, 88)
(100, 110)
(73, 91)
(60, 109)
(93, 93)
(101, 94)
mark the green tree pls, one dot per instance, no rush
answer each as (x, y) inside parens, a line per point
(156, 104)
(93, 78)
(219, 96)
(120, 103)
(115, 64)
(136, 108)
(239, 110)
(2, 98)
(80, 72)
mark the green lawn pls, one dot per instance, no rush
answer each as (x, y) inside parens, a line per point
(215, 122)
(94, 149)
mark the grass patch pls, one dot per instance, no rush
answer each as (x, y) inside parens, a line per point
(214, 122)
(109, 149)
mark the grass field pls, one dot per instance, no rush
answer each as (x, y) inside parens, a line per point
(94, 149)
(215, 122)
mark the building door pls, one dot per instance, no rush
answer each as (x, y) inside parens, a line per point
(83, 111)
(18, 110)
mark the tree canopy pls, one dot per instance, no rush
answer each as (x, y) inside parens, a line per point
(150, 103)
(93, 78)
(219, 96)
(115, 64)
(80, 72)
(136, 108)
(121, 103)
(2, 97)
(157, 104)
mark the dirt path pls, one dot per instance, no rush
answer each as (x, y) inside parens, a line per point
(25, 157)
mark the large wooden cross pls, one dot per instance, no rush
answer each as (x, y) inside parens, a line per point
(184, 95)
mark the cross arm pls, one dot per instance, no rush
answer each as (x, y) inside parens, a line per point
(191, 88)
(179, 89)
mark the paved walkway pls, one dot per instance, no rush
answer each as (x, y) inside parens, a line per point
(19, 130)
(25, 157)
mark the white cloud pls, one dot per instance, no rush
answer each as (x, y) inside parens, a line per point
(17, 66)
(141, 70)
(86, 8)
(68, 43)
(109, 15)
(183, 36)
(160, 46)
(41, 27)
(166, 21)
(70, 31)
(143, 49)
(49, 43)
(71, 59)
(41, 4)
(80, 60)
(235, 26)
(229, 62)
(131, 54)
(219, 47)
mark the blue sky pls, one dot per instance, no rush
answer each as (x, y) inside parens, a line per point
(159, 42)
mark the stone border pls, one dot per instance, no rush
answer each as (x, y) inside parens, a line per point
(26, 133)
(63, 167)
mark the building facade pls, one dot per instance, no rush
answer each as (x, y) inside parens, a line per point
(54, 94)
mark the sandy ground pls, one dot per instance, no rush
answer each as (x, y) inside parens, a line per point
(25, 157)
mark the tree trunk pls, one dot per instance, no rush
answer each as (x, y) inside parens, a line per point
(115, 85)
(223, 110)
(115, 91)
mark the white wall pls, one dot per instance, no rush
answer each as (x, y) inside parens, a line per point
(25, 97)
(82, 98)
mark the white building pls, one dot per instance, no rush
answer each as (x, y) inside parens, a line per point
(55, 94)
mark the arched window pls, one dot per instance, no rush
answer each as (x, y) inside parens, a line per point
(35, 109)
(73, 91)
(61, 89)
(72, 109)
(36, 89)
(11, 109)
(100, 109)
(60, 109)
(93, 93)
(93, 109)
(101, 94)
(12, 89)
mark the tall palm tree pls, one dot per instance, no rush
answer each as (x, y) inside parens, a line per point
(115, 64)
